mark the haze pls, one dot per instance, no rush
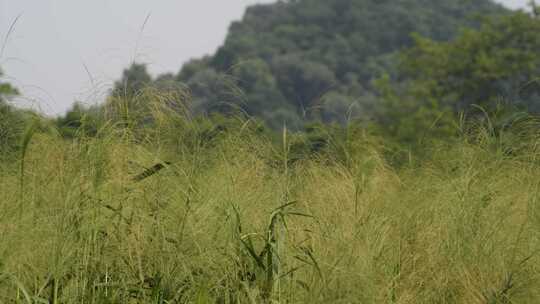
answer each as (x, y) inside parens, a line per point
(61, 51)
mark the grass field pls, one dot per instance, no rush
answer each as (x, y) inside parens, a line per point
(236, 218)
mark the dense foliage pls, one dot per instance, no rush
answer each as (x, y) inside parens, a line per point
(491, 69)
(500, 60)
(294, 61)
(10, 119)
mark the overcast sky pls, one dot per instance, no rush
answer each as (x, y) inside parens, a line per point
(60, 51)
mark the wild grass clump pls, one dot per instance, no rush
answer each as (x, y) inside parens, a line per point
(167, 208)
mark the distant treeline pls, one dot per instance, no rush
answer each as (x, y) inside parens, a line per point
(407, 70)
(312, 60)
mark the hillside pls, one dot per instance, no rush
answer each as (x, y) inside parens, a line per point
(315, 58)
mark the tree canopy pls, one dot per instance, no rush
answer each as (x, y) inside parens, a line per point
(6, 90)
(315, 58)
(10, 118)
(304, 60)
(482, 69)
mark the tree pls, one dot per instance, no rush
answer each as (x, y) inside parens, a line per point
(262, 94)
(192, 67)
(213, 91)
(407, 120)
(480, 68)
(80, 120)
(303, 82)
(287, 55)
(337, 107)
(134, 80)
(128, 100)
(500, 60)
(11, 120)
(314, 47)
(6, 90)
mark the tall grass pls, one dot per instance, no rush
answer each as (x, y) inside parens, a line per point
(231, 219)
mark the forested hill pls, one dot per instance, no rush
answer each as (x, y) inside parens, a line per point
(315, 59)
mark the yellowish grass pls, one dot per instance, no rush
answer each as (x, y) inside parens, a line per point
(230, 220)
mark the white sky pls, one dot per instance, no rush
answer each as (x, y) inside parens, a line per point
(65, 50)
